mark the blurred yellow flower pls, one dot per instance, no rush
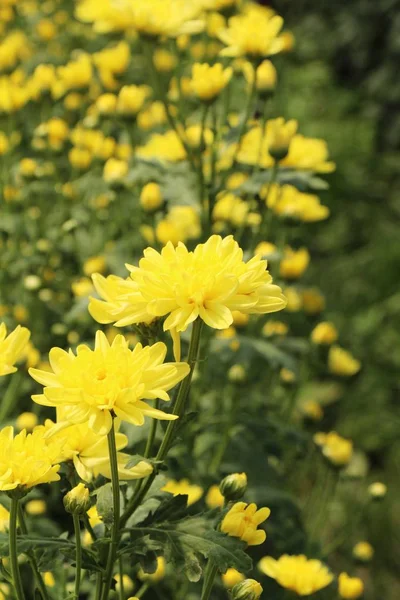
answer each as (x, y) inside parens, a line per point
(279, 136)
(214, 498)
(12, 347)
(164, 61)
(127, 582)
(324, 333)
(185, 488)
(35, 507)
(336, 448)
(294, 262)
(151, 197)
(48, 579)
(377, 489)
(208, 81)
(131, 99)
(26, 420)
(287, 201)
(274, 328)
(254, 34)
(312, 300)
(342, 363)
(94, 264)
(297, 573)
(163, 146)
(363, 551)
(26, 460)
(111, 379)
(242, 521)
(115, 170)
(350, 588)
(181, 223)
(312, 409)
(4, 519)
(231, 577)
(157, 575)
(230, 208)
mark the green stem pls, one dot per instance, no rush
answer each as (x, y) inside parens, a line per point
(142, 590)
(99, 585)
(15, 574)
(31, 558)
(112, 451)
(179, 409)
(9, 397)
(208, 583)
(152, 435)
(78, 570)
(121, 578)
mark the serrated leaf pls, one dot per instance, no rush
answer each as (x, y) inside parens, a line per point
(170, 509)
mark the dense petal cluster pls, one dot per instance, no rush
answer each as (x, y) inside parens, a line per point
(297, 573)
(94, 385)
(89, 451)
(287, 201)
(27, 460)
(350, 588)
(211, 282)
(242, 521)
(208, 81)
(12, 347)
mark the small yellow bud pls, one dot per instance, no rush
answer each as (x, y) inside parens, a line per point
(214, 498)
(35, 507)
(127, 583)
(377, 490)
(279, 137)
(363, 551)
(324, 333)
(106, 104)
(233, 487)
(94, 264)
(48, 579)
(151, 198)
(231, 578)
(26, 420)
(77, 500)
(158, 574)
(249, 589)
(237, 374)
(115, 170)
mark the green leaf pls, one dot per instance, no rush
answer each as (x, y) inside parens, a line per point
(104, 504)
(275, 356)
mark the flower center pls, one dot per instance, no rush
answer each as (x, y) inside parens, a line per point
(101, 374)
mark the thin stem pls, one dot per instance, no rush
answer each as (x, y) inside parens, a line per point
(15, 574)
(112, 451)
(152, 435)
(8, 399)
(99, 585)
(204, 202)
(121, 578)
(179, 409)
(209, 578)
(78, 569)
(142, 590)
(31, 557)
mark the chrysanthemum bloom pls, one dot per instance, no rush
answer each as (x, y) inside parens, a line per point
(255, 35)
(231, 577)
(185, 488)
(110, 380)
(242, 521)
(294, 262)
(350, 588)
(297, 573)
(208, 81)
(363, 551)
(287, 202)
(89, 451)
(336, 448)
(12, 347)
(26, 460)
(249, 589)
(342, 363)
(214, 498)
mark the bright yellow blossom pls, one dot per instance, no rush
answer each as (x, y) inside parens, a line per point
(209, 81)
(297, 573)
(182, 223)
(115, 170)
(342, 363)
(157, 575)
(185, 488)
(151, 197)
(131, 99)
(35, 507)
(12, 347)
(242, 521)
(287, 201)
(350, 588)
(26, 460)
(164, 147)
(336, 448)
(4, 518)
(214, 498)
(26, 420)
(254, 34)
(48, 579)
(363, 551)
(111, 379)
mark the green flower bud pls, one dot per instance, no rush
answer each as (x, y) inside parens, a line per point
(237, 374)
(77, 501)
(249, 589)
(233, 486)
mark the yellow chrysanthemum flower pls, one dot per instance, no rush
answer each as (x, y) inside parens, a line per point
(211, 282)
(254, 34)
(214, 498)
(336, 448)
(208, 81)
(287, 201)
(350, 588)
(4, 518)
(294, 262)
(26, 460)
(110, 380)
(89, 451)
(12, 347)
(184, 487)
(164, 147)
(231, 577)
(342, 363)
(242, 521)
(324, 333)
(297, 573)
(363, 551)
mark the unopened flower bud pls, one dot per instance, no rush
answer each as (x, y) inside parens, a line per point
(233, 487)
(237, 374)
(377, 490)
(151, 198)
(77, 501)
(249, 589)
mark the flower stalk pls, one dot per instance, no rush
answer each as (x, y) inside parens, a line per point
(78, 571)
(209, 578)
(15, 573)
